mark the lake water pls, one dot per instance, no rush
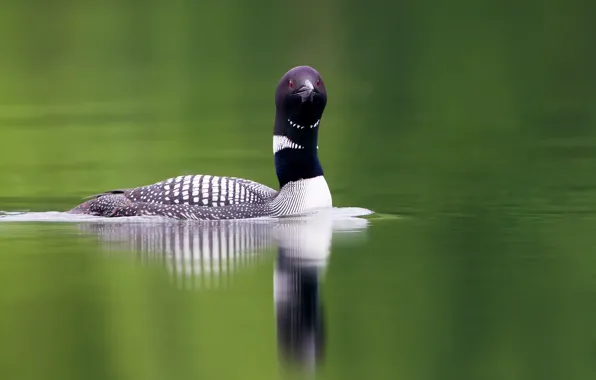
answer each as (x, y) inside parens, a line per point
(469, 129)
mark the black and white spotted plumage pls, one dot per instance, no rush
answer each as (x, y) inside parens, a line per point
(300, 100)
(202, 190)
(244, 199)
(187, 197)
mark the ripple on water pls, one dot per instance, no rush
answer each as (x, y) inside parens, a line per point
(338, 214)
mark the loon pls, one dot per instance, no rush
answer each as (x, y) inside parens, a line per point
(300, 100)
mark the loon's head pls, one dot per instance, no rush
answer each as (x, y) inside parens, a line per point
(300, 100)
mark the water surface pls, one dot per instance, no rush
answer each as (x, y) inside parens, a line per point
(473, 122)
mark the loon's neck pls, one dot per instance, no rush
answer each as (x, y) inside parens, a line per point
(295, 151)
(296, 164)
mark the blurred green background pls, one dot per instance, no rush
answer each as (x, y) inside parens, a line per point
(474, 120)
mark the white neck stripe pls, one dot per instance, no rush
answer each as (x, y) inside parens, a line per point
(283, 142)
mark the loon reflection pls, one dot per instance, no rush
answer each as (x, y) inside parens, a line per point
(207, 254)
(303, 251)
(196, 254)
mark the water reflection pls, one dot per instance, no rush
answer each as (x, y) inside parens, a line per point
(206, 255)
(196, 254)
(303, 252)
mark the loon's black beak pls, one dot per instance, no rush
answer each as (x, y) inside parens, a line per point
(306, 91)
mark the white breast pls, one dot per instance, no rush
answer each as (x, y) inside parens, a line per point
(303, 196)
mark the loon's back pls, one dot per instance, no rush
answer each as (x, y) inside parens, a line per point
(300, 100)
(185, 197)
(202, 190)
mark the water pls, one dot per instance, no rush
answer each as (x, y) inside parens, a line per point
(469, 129)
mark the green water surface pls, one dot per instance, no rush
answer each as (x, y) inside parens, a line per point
(475, 123)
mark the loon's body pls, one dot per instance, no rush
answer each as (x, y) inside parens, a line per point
(300, 100)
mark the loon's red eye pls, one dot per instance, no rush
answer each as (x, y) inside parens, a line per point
(318, 82)
(290, 84)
